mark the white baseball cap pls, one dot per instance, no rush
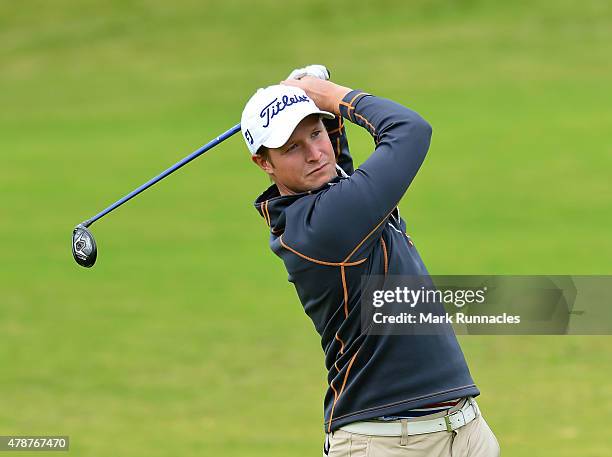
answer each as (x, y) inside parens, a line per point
(272, 114)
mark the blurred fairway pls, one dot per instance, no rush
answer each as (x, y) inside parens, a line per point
(186, 339)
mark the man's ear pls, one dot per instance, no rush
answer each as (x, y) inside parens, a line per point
(263, 163)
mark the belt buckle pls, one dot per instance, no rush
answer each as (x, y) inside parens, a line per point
(447, 419)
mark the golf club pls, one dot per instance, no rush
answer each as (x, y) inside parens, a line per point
(84, 249)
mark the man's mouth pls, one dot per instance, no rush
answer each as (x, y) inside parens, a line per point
(317, 169)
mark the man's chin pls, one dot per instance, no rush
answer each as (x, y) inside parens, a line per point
(321, 178)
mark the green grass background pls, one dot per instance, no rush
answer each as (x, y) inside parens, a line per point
(186, 339)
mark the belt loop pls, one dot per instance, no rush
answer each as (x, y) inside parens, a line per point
(449, 426)
(474, 406)
(404, 438)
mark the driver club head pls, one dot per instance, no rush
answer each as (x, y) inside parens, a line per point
(84, 248)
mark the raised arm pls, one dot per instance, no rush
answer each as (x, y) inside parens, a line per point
(362, 203)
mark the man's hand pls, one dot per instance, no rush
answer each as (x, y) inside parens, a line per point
(326, 94)
(316, 71)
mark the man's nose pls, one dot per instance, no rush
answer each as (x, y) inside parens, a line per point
(313, 154)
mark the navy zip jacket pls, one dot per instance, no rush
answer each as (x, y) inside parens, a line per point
(330, 237)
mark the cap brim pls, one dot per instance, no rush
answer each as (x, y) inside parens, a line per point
(281, 136)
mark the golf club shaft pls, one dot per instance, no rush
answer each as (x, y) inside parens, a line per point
(162, 175)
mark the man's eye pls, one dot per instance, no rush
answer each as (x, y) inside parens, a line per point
(316, 133)
(291, 148)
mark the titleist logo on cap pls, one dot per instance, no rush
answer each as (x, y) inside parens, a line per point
(275, 106)
(273, 113)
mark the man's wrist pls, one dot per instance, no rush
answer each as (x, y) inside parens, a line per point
(340, 93)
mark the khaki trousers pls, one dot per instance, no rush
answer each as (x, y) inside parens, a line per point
(472, 440)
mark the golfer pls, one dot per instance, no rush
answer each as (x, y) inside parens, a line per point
(331, 224)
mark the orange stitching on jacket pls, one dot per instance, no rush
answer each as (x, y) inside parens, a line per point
(264, 210)
(368, 235)
(384, 246)
(268, 212)
(351, 102)
(348, 109)
(349, 106)
(337, 129)
(320, 262)
(337, 395)
(341, 344)
(331, 415)
(347, 372)
(367, 122)
(345, 291)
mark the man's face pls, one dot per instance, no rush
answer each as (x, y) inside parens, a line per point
(305, 162)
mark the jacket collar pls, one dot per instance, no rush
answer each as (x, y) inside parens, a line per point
(271, 204)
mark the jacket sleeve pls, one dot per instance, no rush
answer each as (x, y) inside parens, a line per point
(350, 214)
(337, 135)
